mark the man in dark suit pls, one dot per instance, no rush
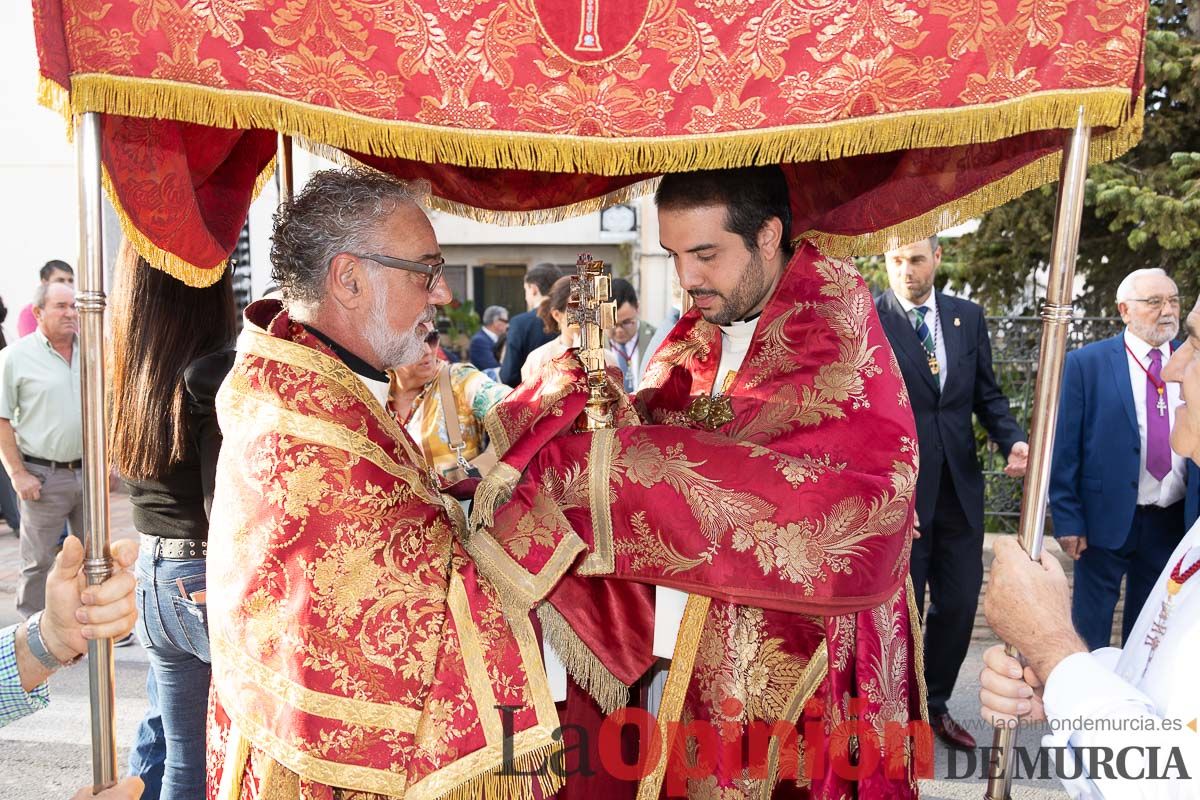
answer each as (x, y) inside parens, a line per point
(526, 332)
(486, 341)
(1120, 498)
(945, 356)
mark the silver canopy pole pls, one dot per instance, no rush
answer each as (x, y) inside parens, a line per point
(98, 563)
(1056, 325)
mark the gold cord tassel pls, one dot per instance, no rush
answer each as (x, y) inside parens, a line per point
(492, 492)
(582, 664)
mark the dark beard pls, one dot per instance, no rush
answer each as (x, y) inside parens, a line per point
(751, 291)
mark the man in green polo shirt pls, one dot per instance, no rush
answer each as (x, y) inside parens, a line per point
(41, 435)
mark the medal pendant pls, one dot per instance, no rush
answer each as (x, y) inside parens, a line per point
(700, 408)
(711, 412)
(721, 413)
(1161, 405)
(934, 367)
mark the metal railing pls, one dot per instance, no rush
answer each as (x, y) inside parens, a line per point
(1015, 343)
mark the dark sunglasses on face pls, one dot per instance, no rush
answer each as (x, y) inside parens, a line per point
(432, 338)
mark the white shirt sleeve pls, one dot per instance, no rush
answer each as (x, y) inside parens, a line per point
(8, 386)
(1094, 713)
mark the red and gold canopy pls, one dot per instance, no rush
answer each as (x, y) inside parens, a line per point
(893, 117)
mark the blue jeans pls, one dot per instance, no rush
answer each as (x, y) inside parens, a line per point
(174, 630)
(149, 751)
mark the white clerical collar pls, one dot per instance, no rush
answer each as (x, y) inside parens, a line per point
(1141, 348)
(741, 329)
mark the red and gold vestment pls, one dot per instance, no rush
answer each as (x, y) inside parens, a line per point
(789, 526)
(355, 649)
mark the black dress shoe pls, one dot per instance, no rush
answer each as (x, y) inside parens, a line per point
(951, 733)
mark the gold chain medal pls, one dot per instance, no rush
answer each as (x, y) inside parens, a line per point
(716, 411)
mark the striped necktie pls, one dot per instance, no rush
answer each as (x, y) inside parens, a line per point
(923, 332)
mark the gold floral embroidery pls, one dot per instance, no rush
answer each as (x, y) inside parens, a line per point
(542, 526)
(848, 312)
(801, 551)
(742, 674)
(650, 549)
(725, 10)
(888, 687)
(894, 366)
(845, 627)
(335, 23)
(685, 354)
(714, 507)
(884, 83)
(224, 18)
(797, 470)
(601, 109)
(319, 78)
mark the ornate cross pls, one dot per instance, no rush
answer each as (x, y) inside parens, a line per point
(591, 308)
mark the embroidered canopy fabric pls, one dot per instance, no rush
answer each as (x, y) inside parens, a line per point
(551, 107)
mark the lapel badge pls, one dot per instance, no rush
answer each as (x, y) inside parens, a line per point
(957, 322)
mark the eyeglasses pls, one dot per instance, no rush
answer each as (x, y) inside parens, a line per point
(432, 272)
(1157, 303)
(433, 337)
(629, 324)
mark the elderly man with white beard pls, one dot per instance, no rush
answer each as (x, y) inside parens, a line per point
(1119, 498)
(354, 650)
(1123, 718)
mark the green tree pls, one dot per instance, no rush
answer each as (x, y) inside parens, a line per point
(1142, 210)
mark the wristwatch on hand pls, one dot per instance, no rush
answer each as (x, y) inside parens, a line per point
(37, 645)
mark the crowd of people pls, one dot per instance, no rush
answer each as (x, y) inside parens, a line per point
(795, 460)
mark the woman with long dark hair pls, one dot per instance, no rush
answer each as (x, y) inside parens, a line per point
(171, 348)
(553, 313)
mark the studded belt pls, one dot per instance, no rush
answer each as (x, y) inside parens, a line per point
(164, 547)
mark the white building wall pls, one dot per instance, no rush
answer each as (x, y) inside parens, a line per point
(37, 170)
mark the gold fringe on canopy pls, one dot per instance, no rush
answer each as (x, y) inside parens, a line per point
(326, 130)
(544, 216)
(1105, 147)
(934, 127)
(56, 98)
(195, 276)
(609, 692)
(539, 216)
